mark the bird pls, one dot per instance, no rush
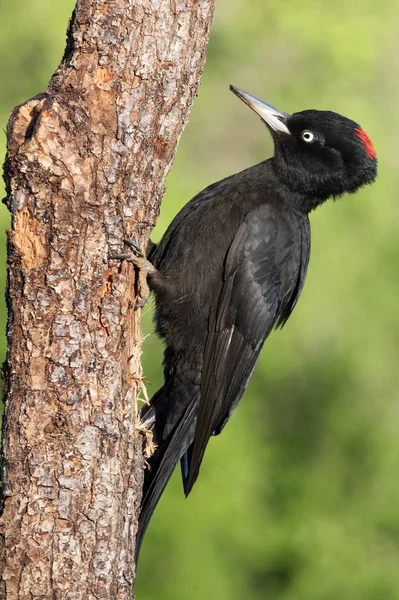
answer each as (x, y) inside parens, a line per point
(230, 268)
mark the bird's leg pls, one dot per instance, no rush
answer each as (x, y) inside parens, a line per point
(145, 269)
(150, 445)
(146, 428)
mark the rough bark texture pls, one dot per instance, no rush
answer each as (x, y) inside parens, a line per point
(85, 168)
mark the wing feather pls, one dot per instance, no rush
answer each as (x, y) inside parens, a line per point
(263, 276)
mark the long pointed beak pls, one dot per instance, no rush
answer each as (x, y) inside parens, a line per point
(276, 119)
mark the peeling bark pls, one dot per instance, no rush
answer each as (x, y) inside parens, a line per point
(85, 168)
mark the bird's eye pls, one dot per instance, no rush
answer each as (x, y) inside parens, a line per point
(307, 136)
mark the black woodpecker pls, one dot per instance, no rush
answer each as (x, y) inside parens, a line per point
(230, 267)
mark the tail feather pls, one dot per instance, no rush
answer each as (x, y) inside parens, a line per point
(164, 460)
(185, 464)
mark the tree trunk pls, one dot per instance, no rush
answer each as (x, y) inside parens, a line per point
(85, 168)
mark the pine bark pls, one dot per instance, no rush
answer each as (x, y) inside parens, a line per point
(85, 168)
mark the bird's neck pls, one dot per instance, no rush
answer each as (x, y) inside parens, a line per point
(298, 191)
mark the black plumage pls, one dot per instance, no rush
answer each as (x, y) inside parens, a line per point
(230, 267)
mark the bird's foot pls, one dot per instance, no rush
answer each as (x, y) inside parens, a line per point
(138, 259)
(135, 248)
(150, 445)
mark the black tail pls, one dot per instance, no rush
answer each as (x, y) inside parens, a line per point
(167, 454)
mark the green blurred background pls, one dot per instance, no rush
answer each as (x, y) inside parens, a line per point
(299, 497)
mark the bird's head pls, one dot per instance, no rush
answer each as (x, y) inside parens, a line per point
(318, 154)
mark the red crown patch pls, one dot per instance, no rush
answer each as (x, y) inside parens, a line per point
(367, 143)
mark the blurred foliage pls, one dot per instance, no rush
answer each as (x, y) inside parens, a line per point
(298, 498)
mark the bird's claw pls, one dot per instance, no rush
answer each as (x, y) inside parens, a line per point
(133, 256)
(135, 247)
(150, 445)
(142, 302)
(138, 259)
(123, 256)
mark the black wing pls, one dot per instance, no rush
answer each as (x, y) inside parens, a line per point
(264, 274)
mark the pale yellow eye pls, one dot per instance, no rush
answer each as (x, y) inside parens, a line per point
(307, 136)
